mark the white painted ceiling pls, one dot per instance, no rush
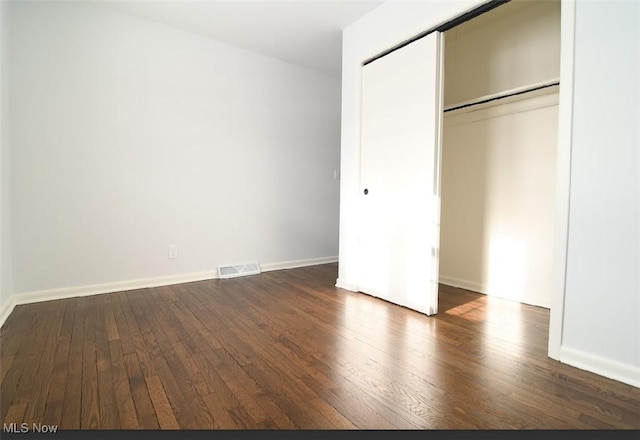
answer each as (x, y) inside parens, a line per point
(303, 32)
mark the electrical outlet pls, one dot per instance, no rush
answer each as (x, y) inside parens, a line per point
(336, 174)
(173, 251)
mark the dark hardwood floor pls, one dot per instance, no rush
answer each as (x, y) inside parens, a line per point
(288, 350)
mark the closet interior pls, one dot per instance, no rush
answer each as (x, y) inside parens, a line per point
(500, 122)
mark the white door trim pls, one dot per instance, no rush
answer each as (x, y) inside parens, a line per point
(563, 176)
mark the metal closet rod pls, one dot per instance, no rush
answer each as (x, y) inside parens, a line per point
(506, 95)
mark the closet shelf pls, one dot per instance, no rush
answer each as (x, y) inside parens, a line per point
(505, 94)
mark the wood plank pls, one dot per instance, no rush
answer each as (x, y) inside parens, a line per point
(127, 415)
(110, 320)
(187, 417)
(16, 413)
(141, 399)
(126, 407)
(189, 407)
(57, 383)
(248, 392)
(122, 326)
(108, 407)
(90, 414)
(43, 381)
(140, 348)
(164, 412)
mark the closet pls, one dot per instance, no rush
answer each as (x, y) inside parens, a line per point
(457, 160)
(499, 140)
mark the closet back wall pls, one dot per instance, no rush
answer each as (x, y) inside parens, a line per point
(498, 166)
(514, 45)
(128, 136)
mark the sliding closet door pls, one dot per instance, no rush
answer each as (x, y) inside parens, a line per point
(400, 181)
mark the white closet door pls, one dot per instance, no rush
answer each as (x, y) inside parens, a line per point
(400, 180)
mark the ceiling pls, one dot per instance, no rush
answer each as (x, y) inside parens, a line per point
(303, 32)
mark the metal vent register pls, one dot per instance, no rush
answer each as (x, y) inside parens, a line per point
(238, 270)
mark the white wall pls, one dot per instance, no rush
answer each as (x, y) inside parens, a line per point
(128, 136)
(599, 323)
(498, 190)
(514, 45)
(6, 285)
(602, 302)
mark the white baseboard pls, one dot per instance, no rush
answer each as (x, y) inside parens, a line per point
(484, 289)
(462, 284)
(625, 373)
(119, 286)
(298, 263)
(6, 309)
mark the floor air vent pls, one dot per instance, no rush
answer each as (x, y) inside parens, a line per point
(238, 270)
